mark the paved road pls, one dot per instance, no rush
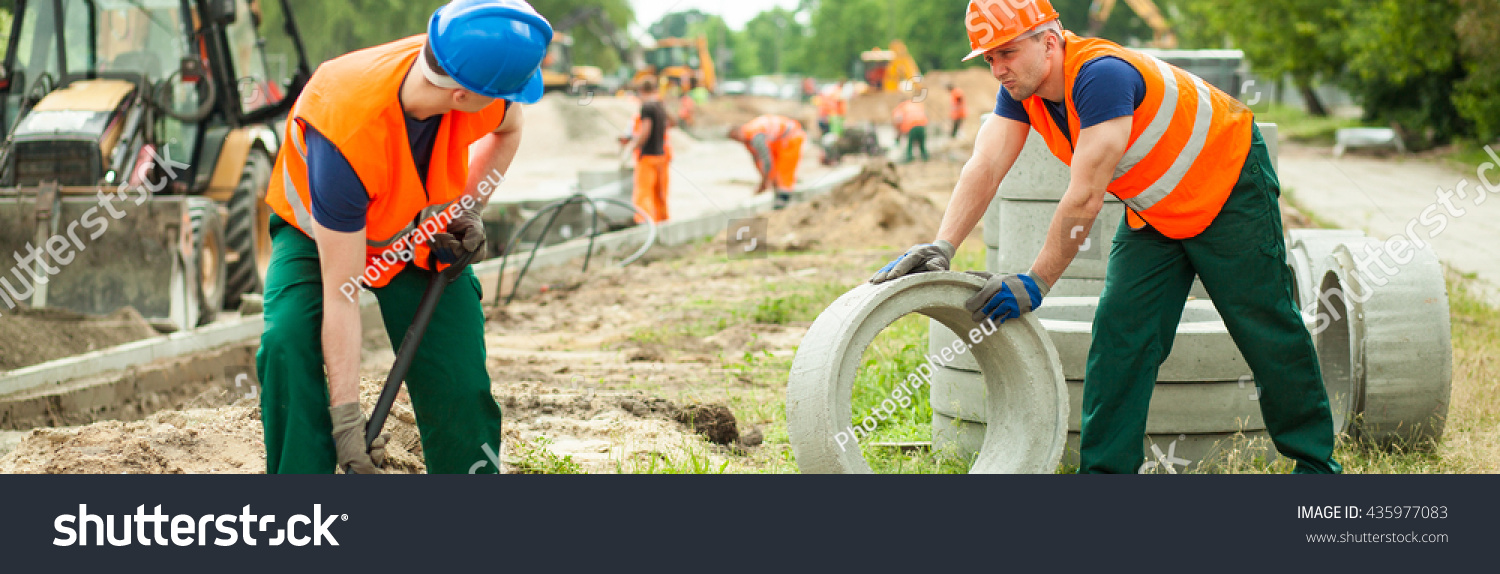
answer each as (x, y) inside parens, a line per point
(1415, 198)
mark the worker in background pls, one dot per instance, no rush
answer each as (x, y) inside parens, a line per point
(910, 119)
(687, 106)
(832, 109)
(827, 104)
(379, 160)
(958, 108)
(652, 162)
(775, 143)
(1201, 192)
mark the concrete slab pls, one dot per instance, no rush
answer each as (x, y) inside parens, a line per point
(1213, 407)
(1022, 368)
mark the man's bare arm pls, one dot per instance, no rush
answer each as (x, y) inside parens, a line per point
(342, 256)
(1099, 150)
(995, 150)
(494, 153)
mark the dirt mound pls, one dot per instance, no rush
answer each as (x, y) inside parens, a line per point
(713, 421)
(870, 210)
(725, 111)
(226, 440)
(602, 431)
(32, 336)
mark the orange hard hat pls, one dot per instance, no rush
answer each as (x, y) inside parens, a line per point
(995, 22)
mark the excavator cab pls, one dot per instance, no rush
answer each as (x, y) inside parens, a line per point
(139, 140)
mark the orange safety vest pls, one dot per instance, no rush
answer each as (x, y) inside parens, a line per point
(354, 102)
(908, 115)
(1188, 141)
(775, 128)
(960, 109)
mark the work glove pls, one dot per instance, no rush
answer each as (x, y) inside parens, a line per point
(919, 259)
(349, 437)
(465, 235)
(1006, 296)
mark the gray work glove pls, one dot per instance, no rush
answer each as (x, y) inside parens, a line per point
(465, 235)
(349, 437)
(919, 259)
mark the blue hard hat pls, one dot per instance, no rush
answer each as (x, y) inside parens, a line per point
(493, 48)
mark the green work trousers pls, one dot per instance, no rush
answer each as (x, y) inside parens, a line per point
(916, 139)
(448, 383)
(1241, 258)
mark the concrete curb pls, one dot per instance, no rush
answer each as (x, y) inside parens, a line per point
(1202, 350)
(1407, 347)
(1021, 367)
(1212, 407)
(1202, 452)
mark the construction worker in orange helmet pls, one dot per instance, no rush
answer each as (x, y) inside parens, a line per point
(391, 152)
(775, 143)
(1201, 197)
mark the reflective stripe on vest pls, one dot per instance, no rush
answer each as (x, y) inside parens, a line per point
(1187, 146)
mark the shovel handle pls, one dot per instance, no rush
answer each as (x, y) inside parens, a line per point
(410, 343)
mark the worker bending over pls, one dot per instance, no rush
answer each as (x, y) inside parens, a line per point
(1201, 198)
(911, 123)
(775, 143)
(379, 161)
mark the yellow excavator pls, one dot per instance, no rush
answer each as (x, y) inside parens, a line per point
(1165, 38)
(886, 70)
(139, 141)
(560, 74)
(679, 61)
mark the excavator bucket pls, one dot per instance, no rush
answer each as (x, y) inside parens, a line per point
(96, 250)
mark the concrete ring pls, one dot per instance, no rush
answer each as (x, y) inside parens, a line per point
(1020, 364)
(1184, 407)
(1405, 372)
(1202, 351)
(1201, 452)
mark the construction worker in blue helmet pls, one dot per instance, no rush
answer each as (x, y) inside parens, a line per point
(377, 188)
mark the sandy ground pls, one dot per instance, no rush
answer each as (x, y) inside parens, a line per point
(1388, 196)
(29, 337)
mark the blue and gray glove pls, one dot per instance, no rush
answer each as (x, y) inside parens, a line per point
(1006, 296)
(922, 258)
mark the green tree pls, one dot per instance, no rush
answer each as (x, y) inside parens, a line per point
(776, 39)
(1279, 37)
(1478, 96)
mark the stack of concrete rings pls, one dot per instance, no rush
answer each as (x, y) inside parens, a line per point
(1021, 369)
(1205, 399)
(1384, 340)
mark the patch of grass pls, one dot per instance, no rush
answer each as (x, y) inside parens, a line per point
(693, 461)
(536, 458)
(1297, 125)
(1468, 155)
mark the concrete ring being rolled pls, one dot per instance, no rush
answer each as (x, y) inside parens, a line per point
(1201, 407)
(1028, 421)
(1397, 325)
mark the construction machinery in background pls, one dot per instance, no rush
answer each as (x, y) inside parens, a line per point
(887, 70)
(1165, 38)
(677, 62)
(140, 136)
(560, 74)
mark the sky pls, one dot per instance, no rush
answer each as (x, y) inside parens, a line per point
(734, 12)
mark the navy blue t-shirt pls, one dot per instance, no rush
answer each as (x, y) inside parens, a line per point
(339, 199)
(1106, 88)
